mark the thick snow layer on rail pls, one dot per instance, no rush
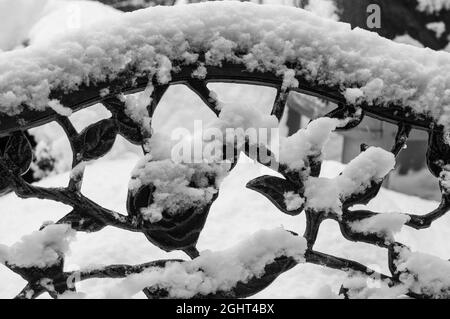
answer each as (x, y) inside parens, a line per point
(216, 271)
(266, 37)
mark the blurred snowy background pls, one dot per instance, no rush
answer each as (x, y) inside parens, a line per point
(238, 212)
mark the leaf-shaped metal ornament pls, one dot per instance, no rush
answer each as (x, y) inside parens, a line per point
(98, 139)
(174, 231)
(19, 153)
(275, 189)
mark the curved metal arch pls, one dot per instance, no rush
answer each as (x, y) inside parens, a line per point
(125, 83)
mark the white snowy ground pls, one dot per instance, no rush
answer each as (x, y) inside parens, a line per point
(236, 214)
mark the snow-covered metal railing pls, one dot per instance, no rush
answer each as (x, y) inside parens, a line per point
(280, 53)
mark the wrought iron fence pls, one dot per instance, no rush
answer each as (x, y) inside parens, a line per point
(182, 232)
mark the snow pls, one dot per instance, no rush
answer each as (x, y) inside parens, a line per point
(369, 92)
(325, 292)
(424, 273)
(69, 16)
(437, 27)
(407, 39)
(293, 201)
(270, 37)
(360, 288)
(244, 116)
(433, 6)
(368, 167)
(200, 72)
(136, 108)
(37, 22)
(295, 149)
(352, 94)
(212, 272)
(236, 214)
(59, 108)
(19, 17)
(382, 224)
(323, 194)
(323, 8)
(178, 186)
(371, 165)
(218, 140)
(40, 248)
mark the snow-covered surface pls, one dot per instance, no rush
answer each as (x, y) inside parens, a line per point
(178, 186)
(235, 115)
(359, 288)
(407, 39)
(425, 273)
(236, 215)
(238, 212)
(40, 248)
(270, 36)
(383, 224)
(433, 6)
(186, 184)
(37, 22)
(308, 142)
(136, 108)
(293, 201)
(369, 166)
(437, 27)
(216, 271)
(323, 8)
(183, 182)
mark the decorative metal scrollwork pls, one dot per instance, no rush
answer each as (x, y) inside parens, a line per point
(182, 231)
